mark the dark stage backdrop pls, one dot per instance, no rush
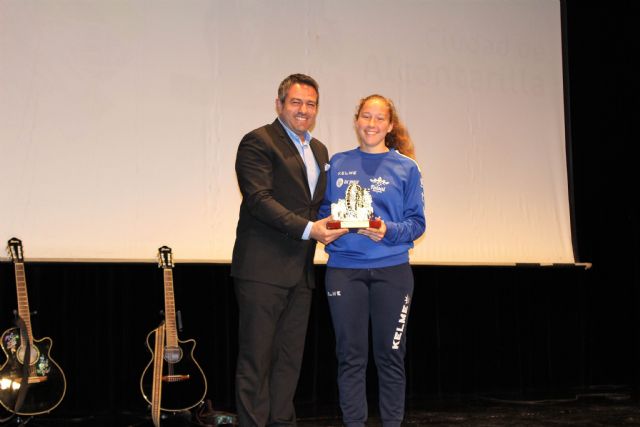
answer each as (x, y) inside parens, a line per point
(490, 331)
(474, 331)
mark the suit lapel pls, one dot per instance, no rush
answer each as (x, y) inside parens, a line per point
(318, 153)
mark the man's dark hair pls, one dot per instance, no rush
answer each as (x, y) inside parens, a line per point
(302, 79)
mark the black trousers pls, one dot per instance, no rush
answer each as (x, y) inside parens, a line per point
(272, 327)
(381, 296)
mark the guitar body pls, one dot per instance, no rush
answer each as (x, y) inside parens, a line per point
(47, 383)
(184, 384)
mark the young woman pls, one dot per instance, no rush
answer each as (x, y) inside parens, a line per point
(368, 273)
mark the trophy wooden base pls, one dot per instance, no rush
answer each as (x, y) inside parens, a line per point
(370, 223)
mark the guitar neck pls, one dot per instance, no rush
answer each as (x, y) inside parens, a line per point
(23, 300)
(169, 310)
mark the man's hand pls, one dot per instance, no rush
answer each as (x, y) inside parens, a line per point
(323, 235)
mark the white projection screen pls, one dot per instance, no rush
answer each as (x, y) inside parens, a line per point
(120, 119)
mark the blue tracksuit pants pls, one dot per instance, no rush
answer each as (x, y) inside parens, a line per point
(382, 295)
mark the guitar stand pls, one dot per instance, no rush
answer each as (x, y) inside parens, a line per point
(182, 418)
(19, 421)
(176, 419)
(178, 319)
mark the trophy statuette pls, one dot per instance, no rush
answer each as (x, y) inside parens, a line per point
(354, 211)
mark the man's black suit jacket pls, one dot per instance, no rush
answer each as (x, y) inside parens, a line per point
(276, 207)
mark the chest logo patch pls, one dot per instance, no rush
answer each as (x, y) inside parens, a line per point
(378, 185)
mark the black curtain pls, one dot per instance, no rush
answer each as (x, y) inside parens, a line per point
(493, 331)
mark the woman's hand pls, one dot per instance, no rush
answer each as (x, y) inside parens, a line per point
(375, 234)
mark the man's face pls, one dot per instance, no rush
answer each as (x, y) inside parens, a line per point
(299, 109)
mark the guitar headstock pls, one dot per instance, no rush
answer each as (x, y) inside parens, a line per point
(165, 259)
(14, 248)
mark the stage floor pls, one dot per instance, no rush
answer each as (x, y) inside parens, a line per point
(591, 411)
(587, 410)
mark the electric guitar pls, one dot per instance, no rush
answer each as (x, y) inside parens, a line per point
(182, 382)
(37, 385)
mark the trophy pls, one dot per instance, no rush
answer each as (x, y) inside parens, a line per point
(354, 211)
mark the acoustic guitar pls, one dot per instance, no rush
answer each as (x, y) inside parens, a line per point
(31, 382)
(182, 384)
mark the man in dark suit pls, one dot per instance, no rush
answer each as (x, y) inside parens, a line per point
(282, 176)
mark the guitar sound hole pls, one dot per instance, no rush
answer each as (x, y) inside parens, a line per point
(172, 354)
(33, 356)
